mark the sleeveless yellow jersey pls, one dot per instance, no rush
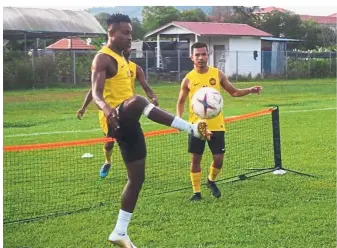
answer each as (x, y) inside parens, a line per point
(197, 81)
(133, 72)
(117, 88)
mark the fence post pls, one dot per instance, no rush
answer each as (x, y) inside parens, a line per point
(33, 67)
(286, 64)
(330, 65)
(178, 65)
(146, 65)
(25, 37)
(74, 67)
(262, 65)
(308, 64)
(237, 65)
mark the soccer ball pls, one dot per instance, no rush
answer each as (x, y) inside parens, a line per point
(207, 103)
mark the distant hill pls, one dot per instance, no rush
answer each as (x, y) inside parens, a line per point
(136, 11)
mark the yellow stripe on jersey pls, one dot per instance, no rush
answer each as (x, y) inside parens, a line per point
(197, 81)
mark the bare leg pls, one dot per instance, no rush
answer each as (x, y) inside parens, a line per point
(136, 175)
(218, 160)
(108, 146)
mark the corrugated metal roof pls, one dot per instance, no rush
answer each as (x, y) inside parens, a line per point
(68, 44)
(230, 29)
(48, 23)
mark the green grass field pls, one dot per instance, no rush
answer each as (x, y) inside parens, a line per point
(265, 211)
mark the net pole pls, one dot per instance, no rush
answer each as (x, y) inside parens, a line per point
(276, 138)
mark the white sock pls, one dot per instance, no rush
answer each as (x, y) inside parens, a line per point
(122, 222)
(183, 125)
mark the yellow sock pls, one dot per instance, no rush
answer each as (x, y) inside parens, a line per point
(108, 156)
(196, 181)
(213, 172)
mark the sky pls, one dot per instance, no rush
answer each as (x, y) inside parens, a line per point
(310, 10)
(323, 7)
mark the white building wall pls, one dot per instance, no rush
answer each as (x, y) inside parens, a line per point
(211, 41)
(241, 56)
(239, 53)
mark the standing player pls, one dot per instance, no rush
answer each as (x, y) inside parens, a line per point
(136, 72)
(112, 93)
(206, 76)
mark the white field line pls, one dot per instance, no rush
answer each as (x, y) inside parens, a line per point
(144, 123)
(306, 110)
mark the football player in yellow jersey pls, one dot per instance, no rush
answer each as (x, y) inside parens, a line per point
(136, 73)
(206, 76)
(121, 110)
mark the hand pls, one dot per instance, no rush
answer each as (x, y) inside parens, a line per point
(111, 116)
(80, 113)
(155, 101)
(255, 89)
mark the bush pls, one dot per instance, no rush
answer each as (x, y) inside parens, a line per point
(311, 67)
(244, 77)
(44, 70)
(319, 68)
(298, 69)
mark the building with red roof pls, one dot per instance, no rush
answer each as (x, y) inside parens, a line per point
(328, 21)
(238, 44)
(70, 44)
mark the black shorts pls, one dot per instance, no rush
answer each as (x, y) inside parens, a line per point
(130, 138)
(216, 144)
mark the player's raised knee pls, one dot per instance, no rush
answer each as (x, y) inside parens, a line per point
(139, 101)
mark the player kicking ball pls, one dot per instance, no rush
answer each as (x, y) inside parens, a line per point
(112, 93)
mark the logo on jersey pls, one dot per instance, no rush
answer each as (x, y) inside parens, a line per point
(131, 73)
(212, 81)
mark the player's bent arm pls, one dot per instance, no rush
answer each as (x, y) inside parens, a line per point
(227, 86)
(184, 90)
(98, 75)
(142, 80)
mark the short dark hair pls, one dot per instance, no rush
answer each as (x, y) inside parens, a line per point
(118, 18)
(198, 45)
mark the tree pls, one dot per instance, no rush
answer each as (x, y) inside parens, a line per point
(221, 13)
(194, 15)
(327, 37)
(244, 15)
(156, 16)
(102, 18)
(281, 24)
(138, 31)
(310, 33)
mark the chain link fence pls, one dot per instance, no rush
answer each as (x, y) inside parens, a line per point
(41, 69)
